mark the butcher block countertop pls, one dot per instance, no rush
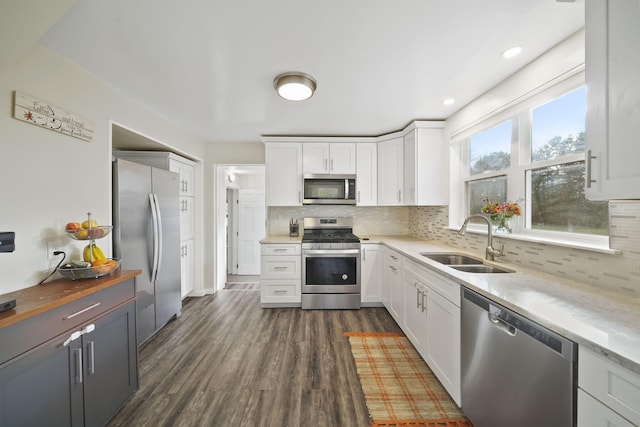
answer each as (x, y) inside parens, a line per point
(42, 298)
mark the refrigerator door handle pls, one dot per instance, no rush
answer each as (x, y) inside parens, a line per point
(159, 215)
(156, 251)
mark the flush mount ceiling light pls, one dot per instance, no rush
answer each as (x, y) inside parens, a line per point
(511, 52)
(448, 101)
(295, 86)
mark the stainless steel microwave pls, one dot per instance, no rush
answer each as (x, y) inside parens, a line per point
(325, 189)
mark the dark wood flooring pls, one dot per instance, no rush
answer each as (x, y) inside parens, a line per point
(227, 362)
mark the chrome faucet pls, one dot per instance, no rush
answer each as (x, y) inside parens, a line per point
(490, 252)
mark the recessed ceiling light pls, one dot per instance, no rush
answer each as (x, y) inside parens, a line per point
(511, 52)
(448, 101)
(294, 86)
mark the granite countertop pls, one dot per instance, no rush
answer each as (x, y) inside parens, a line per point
(41, 298)
(601, 320)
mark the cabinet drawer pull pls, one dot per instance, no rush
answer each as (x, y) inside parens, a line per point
(77, 313)
(280, 250)
(279, 291)
(280, 268)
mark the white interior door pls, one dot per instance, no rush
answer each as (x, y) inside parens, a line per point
(251, 229)
(232, 231)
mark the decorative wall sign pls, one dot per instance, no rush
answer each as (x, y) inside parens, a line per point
(49, 116)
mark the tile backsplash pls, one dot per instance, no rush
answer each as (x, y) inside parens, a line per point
(389, 220)
(619, 273)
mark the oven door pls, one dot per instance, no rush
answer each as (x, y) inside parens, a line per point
(331, 271)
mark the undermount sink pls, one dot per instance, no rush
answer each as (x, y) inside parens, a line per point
(480, 268)
(464, 263)
(452, 258)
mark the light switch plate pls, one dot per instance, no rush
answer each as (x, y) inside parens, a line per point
(7, 241)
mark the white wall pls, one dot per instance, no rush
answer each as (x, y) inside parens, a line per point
(49, 179)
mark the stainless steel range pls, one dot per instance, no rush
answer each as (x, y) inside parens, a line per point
(330, 264)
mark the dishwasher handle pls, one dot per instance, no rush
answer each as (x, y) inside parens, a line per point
(502, 325)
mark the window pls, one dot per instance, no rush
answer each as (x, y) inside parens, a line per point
(494, 188)
(558, 202)
(490, 150)
(536, 158)
(557, 127)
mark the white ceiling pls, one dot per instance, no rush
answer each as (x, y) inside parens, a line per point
(209, 65)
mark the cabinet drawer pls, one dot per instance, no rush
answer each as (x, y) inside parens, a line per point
(392, 257)
(592, 413)
(413, 267)
(35, 330)
(284, 249)
(281, 267)
(615, 386)
(280, 291)
(444, 286)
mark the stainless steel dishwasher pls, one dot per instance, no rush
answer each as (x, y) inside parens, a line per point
(514, 371)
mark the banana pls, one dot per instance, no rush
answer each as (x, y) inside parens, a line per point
(90, 255)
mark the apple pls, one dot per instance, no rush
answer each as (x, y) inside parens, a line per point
(89, 224)
(73, 226)
(96, 233)
(82, 234)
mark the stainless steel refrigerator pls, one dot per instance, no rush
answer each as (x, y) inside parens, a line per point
(146, 236)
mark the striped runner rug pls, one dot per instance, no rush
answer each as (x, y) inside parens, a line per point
(399, 388)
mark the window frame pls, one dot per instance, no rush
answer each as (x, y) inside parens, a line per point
(520, 169)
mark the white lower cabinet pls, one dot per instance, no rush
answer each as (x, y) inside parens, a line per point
(592, 413)
(608, 393)
(370, 273)
(392, 278)
(186, 267)
(280, 275)
(443, 342)
(426, 305)
(415, 314)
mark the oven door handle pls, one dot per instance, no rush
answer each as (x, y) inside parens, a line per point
(331, 251)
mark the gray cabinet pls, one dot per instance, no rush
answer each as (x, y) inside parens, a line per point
(72, 379)
(39, 389)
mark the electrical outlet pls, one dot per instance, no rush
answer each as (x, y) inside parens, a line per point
(53, 246)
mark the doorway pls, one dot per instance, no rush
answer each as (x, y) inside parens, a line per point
(241, 197)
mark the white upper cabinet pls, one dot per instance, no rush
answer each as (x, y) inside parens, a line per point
(613, 99)
(315, 158)
(283, 174)
(412, 166)
(426, 177)
(390, 172)
(186, 170)
(366, 174)
(331, 158)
